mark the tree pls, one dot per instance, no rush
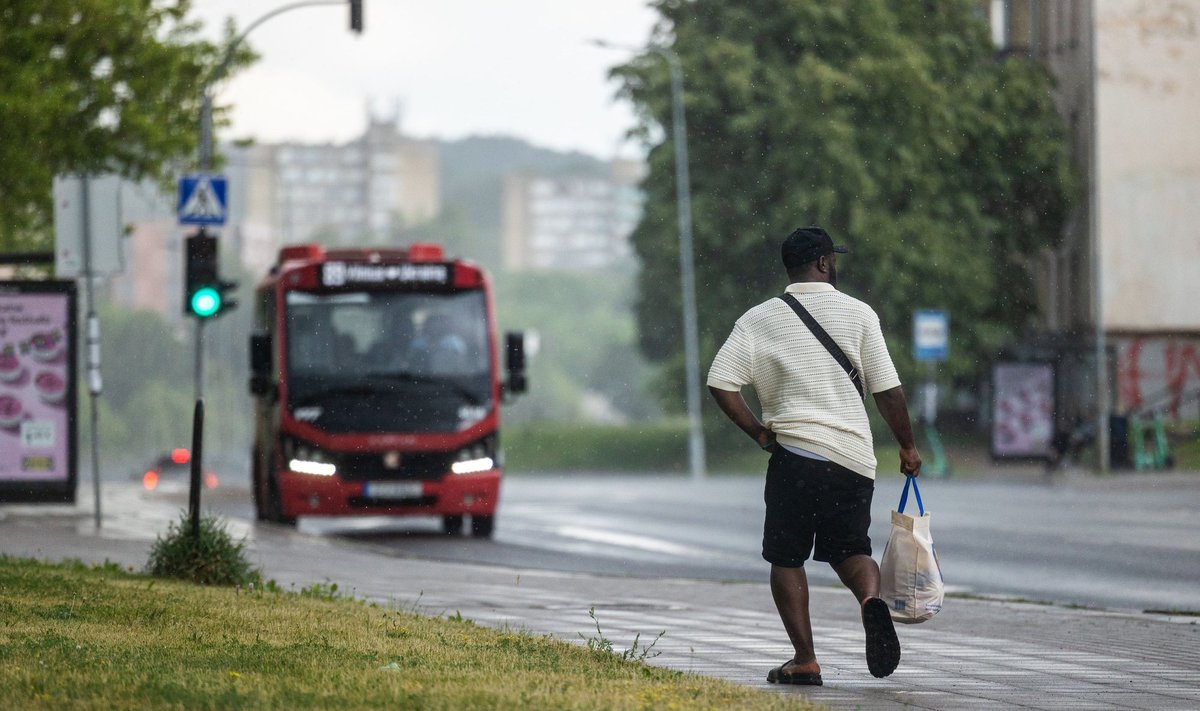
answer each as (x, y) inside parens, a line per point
(893, 125)
(103, 86)
(587, 342)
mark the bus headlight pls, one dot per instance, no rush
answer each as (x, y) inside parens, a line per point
(472, 466)
(308, 466)
(474, 458)
(304, 459)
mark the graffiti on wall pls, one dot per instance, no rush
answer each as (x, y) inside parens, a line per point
(1159, 373)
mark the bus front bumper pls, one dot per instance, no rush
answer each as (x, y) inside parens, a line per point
(454, 494)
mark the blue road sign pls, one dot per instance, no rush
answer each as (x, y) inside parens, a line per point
(931, 335)
(202, 199)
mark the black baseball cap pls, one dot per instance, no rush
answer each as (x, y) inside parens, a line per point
(805, 244)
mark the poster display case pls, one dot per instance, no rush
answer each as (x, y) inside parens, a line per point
(37, 391)
(1023, 409)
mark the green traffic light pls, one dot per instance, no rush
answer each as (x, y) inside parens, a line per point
(206, 302)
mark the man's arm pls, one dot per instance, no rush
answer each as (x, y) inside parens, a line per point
(894, 408)
(734, 406)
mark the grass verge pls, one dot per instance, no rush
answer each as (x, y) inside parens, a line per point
(74, 637)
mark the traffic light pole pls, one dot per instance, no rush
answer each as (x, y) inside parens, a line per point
(198, 372)
(198, 376)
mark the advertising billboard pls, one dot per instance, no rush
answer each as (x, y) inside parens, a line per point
(1022, 410)
(37, 391)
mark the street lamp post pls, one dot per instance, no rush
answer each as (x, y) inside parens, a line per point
(687, 272)
(206, 149)
(206, 129)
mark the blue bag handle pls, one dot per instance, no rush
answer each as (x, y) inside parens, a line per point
(910, 480)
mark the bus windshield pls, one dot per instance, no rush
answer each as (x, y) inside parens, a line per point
(388, 361)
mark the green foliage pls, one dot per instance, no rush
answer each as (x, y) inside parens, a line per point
(658, 446)
(212, 558)
(588, 343)
(321, 591)
(146, 342)
(893, 125)
(545, 446)
(636, 652)
(111, 86)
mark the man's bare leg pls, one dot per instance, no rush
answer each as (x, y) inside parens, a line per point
(860, 573)
(789, 588)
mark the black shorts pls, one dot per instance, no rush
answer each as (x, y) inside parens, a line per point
(808, 500)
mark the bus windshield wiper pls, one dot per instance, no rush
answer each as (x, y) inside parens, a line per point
(405, 376)
(329, 391)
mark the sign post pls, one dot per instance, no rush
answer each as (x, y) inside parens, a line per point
(202, 201)
(931, 345)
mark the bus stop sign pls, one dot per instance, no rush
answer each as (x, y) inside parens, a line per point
(931, 335)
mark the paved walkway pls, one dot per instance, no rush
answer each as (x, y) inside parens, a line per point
(977, 654)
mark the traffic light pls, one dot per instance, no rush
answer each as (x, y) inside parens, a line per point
(204, 290)
(200, 267)
(356, 16)
(224, 302)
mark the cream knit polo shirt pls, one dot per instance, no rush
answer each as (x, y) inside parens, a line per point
(808, 401)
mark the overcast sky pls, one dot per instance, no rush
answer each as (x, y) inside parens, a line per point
(453, 67)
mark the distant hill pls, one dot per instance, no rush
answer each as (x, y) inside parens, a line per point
(468, 161)
(473, 171)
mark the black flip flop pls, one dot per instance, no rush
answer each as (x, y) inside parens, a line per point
(779, 676)
(883, 647)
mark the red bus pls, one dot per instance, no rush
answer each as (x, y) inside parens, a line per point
(377, 386)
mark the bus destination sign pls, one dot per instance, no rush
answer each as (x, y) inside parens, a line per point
(350, 273)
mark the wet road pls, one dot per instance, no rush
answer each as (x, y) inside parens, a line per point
(1130, 542)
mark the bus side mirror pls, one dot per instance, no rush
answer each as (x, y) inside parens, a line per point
(260, 364)
(514, 363)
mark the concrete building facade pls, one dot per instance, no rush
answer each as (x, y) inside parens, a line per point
(571, 221)
(1124, 273)
(356, 192)
(281, 194)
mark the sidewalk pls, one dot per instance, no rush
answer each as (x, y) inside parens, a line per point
(977, 654)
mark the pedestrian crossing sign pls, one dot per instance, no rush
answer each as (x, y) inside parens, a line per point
(202, 199)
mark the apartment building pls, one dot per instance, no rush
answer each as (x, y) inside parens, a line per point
(352, 193)
(572, 221)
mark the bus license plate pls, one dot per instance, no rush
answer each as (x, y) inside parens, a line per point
(394, 490)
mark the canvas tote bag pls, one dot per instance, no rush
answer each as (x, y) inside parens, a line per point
(910, 575)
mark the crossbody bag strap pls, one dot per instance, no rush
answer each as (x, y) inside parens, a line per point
(826, 340)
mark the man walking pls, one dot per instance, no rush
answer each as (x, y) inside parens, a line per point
(810, 355)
